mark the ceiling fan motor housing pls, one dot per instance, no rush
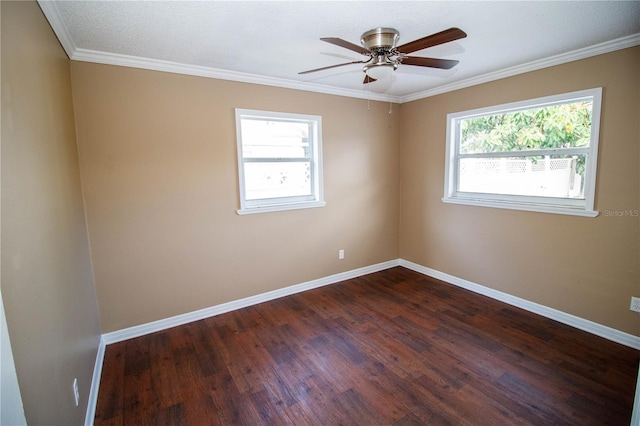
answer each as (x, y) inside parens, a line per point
(380, 40)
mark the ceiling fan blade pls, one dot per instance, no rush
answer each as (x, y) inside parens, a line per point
(368, 79)
(433, 40)
(331, 66)
(347, 45)
(429, 62)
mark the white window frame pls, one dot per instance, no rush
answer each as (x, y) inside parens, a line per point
(316, 199)
(569, 206)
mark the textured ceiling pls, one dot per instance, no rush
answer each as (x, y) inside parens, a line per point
(269, 42)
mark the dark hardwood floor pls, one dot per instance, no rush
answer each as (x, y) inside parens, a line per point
(389, 348)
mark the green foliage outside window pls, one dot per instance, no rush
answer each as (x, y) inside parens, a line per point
(558, 126)
(551, 127)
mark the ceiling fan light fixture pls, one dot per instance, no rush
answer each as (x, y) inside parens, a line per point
(379, 70)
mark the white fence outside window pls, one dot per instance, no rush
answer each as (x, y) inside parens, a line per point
(544, 177)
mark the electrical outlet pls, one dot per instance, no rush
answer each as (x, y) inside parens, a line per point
(635, 304)
(76, 393)
(340, 254)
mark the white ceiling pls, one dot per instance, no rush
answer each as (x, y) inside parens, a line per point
(269, 42)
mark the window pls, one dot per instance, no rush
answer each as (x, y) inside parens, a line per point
(538, 155)
(279, 161)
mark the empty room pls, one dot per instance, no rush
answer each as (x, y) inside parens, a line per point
(320, 213)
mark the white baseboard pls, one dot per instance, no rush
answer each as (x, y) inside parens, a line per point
(95, 385)
(554, 314)
(163, 324)
(565, 318)
(152, 327)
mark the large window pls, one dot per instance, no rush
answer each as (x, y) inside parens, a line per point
(537, 155)
(279, 161)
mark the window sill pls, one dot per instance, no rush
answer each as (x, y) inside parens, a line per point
(280, 207)
(531, 207)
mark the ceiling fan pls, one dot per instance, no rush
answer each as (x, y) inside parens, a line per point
(384, 56)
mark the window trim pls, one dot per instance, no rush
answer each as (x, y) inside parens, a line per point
(316, 199)
(576, 207)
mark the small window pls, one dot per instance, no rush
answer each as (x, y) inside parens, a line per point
(279, 161)
(537, 155)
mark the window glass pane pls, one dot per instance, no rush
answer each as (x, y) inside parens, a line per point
(275, 139)
(279, 161)
(542, 176)
(275, 180)
(556, 126)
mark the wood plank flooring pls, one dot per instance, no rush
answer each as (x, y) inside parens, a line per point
(389, 348)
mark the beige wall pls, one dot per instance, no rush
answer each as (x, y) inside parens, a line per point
(158, 164)
(587, 267)
(159, 170)
(47, 283)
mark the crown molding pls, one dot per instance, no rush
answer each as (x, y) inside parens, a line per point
(56, 22)
(52, 14)
(85, 55)
(563, 58)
